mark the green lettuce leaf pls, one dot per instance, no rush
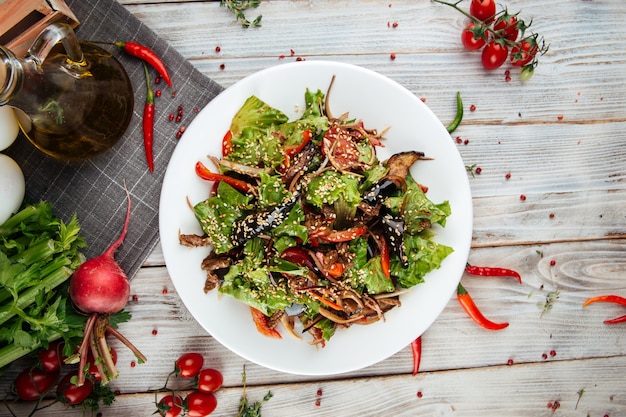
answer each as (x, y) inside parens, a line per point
(217, 215)
(424, 256)
(255, 114)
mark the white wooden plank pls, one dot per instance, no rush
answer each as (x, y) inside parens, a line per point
(582, 388)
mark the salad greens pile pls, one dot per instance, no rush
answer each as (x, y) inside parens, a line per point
(322, 230)
(38, 254)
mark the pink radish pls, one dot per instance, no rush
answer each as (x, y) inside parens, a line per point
(100, 287)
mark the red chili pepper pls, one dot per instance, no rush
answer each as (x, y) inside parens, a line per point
(227, 143)
(609, 299)
(260, 320)
(416, 349)
(486, 271)
(148, 121)
(148, 55)
(344, 235)
(384, 257)
(472, 310)
(206, 174)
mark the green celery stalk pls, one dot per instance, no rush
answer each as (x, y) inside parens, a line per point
(26, 215)
(49, 268)
(36, 253)
(27, 297)
(12, 352)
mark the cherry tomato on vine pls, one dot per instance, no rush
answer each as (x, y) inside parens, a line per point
(507, 24)
(483, 10)
(31, 384)
(70, 394)
(200, 404)
(189, 364)
(469, 39)
(169, 406)
(523, 53)
(52, 358)
(209, 380)
(494, 55)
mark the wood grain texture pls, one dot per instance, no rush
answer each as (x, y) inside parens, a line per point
(561, 138)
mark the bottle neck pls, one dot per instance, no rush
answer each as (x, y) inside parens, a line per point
(11, 75)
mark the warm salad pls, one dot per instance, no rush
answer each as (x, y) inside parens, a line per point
(308, 227)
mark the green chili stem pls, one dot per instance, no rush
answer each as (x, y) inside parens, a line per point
(459, 114)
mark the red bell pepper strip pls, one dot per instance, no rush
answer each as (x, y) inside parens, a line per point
(298, 256)
(206, 174)
(148, 121)
(293, 150)
(326, 301)
(472, 310)
(345, 235)
(609, 299)
(384, 257)
(336, 270)
(227, 144)
(260, 320)
(416, 349)
(148, 55)
(487, 271)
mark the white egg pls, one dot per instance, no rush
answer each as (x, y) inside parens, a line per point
(12, 187)
(8, 127)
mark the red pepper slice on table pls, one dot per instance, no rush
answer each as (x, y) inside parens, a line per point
(148, 55)
(416, 350)
(148, 121)
(206, 174)
(487, 271)
(472, 310)
(609, 299)
(260, 320)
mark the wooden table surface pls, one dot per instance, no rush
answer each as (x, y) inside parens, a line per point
(561, 138)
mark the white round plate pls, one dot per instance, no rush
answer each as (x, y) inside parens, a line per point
(380, 103)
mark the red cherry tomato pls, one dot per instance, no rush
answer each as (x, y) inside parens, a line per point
(70, 394)
(52, 358)
(189, 364)
(33, 383)
(170, 406)
(469, 40)
(483, 10)
(507, 24)
(494, 55)
(200, 404)
(93, 369)
(209, 380)
(522, 53)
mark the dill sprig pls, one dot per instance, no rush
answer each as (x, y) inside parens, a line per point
(238, 7)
